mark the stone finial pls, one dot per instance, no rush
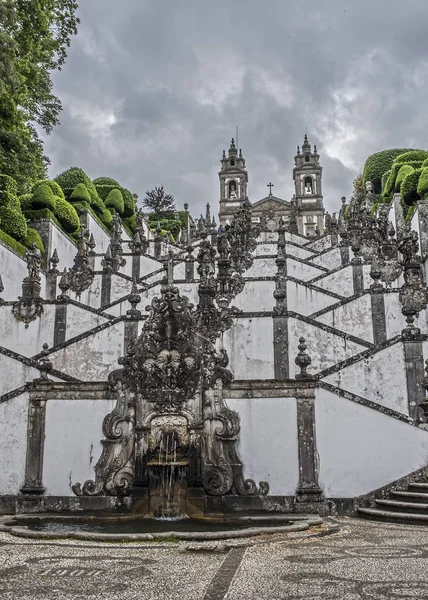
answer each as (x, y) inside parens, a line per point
(134, 298)
(303, 360)
(107, 261)
(91, 244)
(54, 260)
(44, 364)
(64, 285)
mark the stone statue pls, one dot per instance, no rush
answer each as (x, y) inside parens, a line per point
(34, 259)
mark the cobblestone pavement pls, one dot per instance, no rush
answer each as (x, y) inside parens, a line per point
(355, 560)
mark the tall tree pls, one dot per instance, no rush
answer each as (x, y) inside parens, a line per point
(34, 37)
(157, 200)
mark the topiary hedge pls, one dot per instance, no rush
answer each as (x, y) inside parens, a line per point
(69, 179)
(422, 189)
(411, 155)
(105, 181)
(43, 198)
(25, 201)
(33, 236)
(8, 184)
(128, 199)
(9, 241)
(402, 173)
(115, 200)
(377, 164)
(54, 186)
(13, 222)
(67, 215)
(10, 200)
(80, 194)
(409, 187)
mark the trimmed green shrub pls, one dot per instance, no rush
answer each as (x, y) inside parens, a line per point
(411, 155)
(43, 198)
(105, 181)
(402, 173)
(9, 241)
(129, 207)
(80, 194)
(25, 201)
(377, 164)
(409, 187)
(385, 179)
(106, 217)
(33, 236)
(71, 177)
(55, 187)
(8, 184)
(67, 215)
(104, 190)
(81, 206)
(423, 183)
(130, 223)
(13, 223)
(10, 200)
(115, 200)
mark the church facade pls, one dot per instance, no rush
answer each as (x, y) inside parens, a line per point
(303, 213)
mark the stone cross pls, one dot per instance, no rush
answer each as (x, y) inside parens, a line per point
(270, 186)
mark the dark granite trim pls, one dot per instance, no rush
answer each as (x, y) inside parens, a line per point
(330, 272)
(105, 289)
(316, 288)
(308, 490)
(358, 278)
(95, 311)
(31, 362)
(14, 393)
(402, 483)
(357, 357)
(60, 325)
(82, 336)
(35, 446)
(414, 365)
(329, 329)
(378, 318)
(337, 305)
(368, 403)
(280, 347)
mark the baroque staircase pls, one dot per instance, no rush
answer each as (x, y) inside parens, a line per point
(409, 505)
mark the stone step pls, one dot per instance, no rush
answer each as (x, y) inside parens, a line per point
(410, 496)
(418, 486)
(397, 505)
(386, 515)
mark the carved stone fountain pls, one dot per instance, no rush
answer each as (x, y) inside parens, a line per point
(171, 440)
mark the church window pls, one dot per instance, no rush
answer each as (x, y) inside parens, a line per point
(308, 186)
(271, 225)
(232, 162)
(307, 158)
(232, 189)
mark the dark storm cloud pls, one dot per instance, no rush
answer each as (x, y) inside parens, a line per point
(152, 90)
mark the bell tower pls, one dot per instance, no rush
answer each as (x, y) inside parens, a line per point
(307, 176)
(233, 183)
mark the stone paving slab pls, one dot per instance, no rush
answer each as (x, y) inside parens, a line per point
(347, 559)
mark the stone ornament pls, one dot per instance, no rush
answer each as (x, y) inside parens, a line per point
(81, 276)
(30, 305)
(172, 376)
(303, 360)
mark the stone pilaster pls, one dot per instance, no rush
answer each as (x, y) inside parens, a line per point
(189, 265)
(414, 361)
(51, 286)
(105, 289)
(280, 347)
(35, 447)
(344, 254)
(60, 326)
(308, 490)
(358, 278)
(378, 317)
(136, 260)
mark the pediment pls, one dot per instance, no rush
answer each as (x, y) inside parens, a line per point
(271, 203)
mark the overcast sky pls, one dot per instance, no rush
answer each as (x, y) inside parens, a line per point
(153, 89)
